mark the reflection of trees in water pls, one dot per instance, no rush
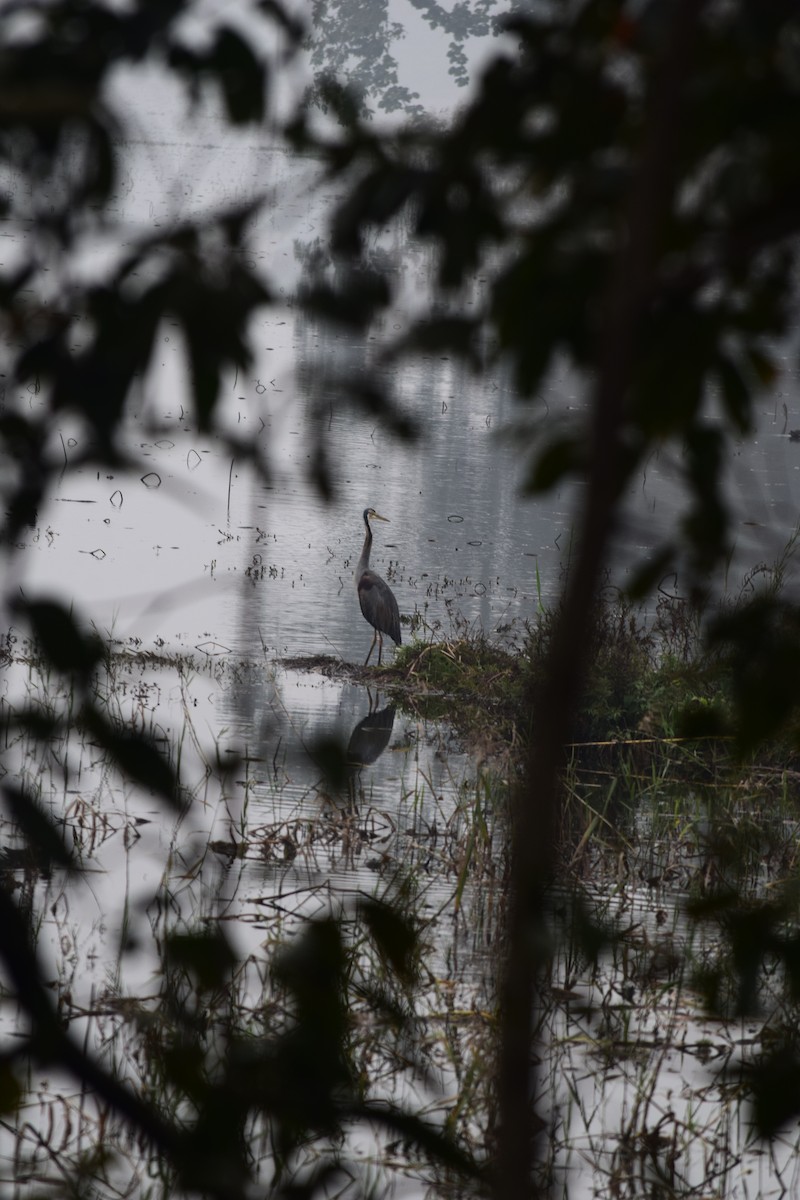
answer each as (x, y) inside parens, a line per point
(352, 41)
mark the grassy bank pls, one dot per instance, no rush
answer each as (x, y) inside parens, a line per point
(665, 783)
(643, 679)
(666, 678)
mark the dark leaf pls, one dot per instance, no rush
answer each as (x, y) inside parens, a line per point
(354, 302)
(394, 935)
(429, 1137)
(38, 722)
(649, 575)
(379, 196)
(241, 76)
(64, 644)
(330, 756)
(735, 393)
(11, 1093)
(561, 457)
(775, 1085)
(589, 932)
(319, 471)
(697, 720)
(185, 1067)
(38, 828)
(135, 755)
(367, 396)
(309, 1060)
(761, 641)
(208, 957)
(439, 335)
(706, 523)
(205, 372)
(313, 970)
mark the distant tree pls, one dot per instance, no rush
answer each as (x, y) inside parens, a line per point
(354, 43)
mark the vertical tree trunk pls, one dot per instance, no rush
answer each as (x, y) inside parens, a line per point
(536, 803)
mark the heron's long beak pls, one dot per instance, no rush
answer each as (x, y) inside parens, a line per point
(378, 517)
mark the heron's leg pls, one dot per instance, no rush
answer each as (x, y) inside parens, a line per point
(380, 646)
(372, 647)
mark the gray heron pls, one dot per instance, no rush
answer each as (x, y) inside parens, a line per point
(375, 596)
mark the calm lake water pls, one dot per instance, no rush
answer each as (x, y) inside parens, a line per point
(191, 552)
(191, 547)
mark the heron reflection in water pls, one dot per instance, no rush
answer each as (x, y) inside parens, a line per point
(367, 743)
(370, 737)
(375, 596)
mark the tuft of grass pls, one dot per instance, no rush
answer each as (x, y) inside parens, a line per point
(478, 687)
(642, 678)
(621, 657)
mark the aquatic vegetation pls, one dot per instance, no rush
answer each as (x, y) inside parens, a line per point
(674, 892)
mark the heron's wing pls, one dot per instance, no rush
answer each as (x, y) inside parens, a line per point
(379, 605)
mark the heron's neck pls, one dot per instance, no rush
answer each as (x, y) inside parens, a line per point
(363, 562)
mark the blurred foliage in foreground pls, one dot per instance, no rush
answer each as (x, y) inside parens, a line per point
(622, 192)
